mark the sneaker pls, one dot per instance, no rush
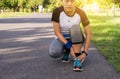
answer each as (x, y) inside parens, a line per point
(77, 65)
(65, 58)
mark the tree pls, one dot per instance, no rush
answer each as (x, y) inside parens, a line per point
(79, 3)
(13, 4)
(54, 3)
(33, 4)
(51, 4)
(106, 4)
(117, 2)
(1, 4)
(46, 3)
(22, 4)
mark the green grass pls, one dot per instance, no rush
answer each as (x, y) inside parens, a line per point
(12, 14)
(106, 37)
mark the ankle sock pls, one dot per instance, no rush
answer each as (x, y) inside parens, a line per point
(77, 54)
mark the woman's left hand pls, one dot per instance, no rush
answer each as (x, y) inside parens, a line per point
(82, 57)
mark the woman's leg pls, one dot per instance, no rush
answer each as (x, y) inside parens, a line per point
(77, 48)
(56, 48)
(77, 61)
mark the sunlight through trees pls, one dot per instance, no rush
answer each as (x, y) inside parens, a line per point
(49, 5)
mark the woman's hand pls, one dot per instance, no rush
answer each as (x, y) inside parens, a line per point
(82, 57)
(72, 53)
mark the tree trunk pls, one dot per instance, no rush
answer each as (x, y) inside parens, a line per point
(114, 9)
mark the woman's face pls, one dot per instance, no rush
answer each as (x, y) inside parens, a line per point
(68, 5)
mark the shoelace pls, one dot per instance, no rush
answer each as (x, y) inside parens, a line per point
(77, 63)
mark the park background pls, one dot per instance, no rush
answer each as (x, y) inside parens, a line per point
(104, 16)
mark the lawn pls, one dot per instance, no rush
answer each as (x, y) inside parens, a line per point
(106, 37)
(12, 14)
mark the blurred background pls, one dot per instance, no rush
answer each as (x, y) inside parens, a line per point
(45, 6)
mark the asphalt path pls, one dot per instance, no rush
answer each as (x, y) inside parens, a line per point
(24, 43)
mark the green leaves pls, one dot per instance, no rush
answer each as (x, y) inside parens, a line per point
(51, 4)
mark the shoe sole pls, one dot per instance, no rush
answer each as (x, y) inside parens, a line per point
(77, 69)
(65, 61)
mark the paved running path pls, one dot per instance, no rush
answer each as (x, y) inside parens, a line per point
(24, 43)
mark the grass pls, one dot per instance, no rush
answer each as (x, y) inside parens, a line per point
(106, 37)
(12, 14)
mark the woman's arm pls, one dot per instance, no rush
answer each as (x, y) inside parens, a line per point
(60, 36)
(56, 27)
(88, 37)
(87, 43)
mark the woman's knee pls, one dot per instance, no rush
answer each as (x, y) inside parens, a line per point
(56, 48)
(55, 54)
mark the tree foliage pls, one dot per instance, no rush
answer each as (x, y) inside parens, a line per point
(16, 5)
(79, 3)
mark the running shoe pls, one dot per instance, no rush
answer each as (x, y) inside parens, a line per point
(77, 65)
(65, 58)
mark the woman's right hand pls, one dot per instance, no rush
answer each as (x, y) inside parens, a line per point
(72, 53)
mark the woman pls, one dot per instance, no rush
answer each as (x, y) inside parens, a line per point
(64, 18)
